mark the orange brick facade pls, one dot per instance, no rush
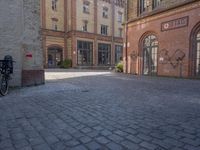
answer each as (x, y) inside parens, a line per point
(67, 39)
(174, 49)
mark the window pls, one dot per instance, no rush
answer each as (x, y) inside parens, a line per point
(150, 50)
(144, 4)
(118, 53)
(120, 17)
(105, 12)
(104, 30)
(85, 54)
(104, 54)
(86, 6)
(54, 5)
(198, 54)
(85, 25)
(156, 3)
(54, 24)
(120, 32)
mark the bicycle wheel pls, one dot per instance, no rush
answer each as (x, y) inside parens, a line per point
(3, 85)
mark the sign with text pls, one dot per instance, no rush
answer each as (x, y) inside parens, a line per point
(174, 24)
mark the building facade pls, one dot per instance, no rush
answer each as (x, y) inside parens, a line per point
(163, 38)
(20, 37)
(89, 32)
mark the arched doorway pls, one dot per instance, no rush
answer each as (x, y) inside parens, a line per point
(195, 52)
(150, 52)
(54, 57)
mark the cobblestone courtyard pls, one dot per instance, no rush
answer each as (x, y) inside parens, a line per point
(85, 110)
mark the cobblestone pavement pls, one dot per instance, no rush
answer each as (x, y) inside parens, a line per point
(102, 111)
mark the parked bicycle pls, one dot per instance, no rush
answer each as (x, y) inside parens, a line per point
(6, 68)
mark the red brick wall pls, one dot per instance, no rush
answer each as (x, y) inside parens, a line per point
(170, 40)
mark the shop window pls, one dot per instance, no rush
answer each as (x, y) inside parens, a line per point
(84, 53)
(118, 53)
(104, 54)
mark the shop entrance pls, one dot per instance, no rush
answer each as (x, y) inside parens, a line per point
(54, 57)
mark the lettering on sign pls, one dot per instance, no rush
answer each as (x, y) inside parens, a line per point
(174, 24)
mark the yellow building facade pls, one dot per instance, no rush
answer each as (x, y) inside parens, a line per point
(88, 32)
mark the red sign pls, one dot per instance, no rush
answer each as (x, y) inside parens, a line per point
(29, 55)
(174, 24)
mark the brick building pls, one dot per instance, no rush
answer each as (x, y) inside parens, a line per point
(163, 38)
(20, 37)
(89, 32)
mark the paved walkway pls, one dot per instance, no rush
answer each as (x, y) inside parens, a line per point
(87, 110)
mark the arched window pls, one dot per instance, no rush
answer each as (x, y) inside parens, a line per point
(150, 51)
(197, 43)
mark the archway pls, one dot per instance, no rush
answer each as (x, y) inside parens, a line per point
(55, 55)
(149, 54)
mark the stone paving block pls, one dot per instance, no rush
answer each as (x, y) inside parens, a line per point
(79, 147)
(93, 145)
(120, 133)
(191, 142)
(188, 147)
(134, 139)
(86, 130)
(85, 139)
(105, 132)
(6, 143)
(41, 147)
(114, 146)
(58, 146)
(72, 143)
(51, 139)
(144, 137)
(20, 143)
(102, 140)
(148, 146)
(130, 145)
(36, 141)
(115, 138)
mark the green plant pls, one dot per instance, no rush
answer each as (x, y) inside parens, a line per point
(119, 67)
(67, 63)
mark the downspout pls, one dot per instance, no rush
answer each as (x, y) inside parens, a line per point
(126, 38)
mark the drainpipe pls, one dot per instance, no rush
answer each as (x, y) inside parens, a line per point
(126, 38)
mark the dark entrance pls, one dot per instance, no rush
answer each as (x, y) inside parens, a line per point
(54, 57)
(150, 50)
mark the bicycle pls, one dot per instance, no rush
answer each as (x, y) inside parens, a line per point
(6, 68)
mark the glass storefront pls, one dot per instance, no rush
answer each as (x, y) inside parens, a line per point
(84, 53)
(104, 54)
(118, 53)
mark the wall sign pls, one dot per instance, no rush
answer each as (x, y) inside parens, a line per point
(174, 24)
